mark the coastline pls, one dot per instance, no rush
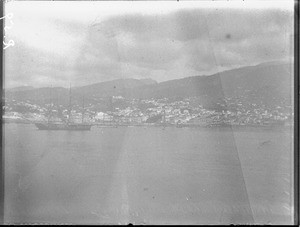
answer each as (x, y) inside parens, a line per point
(199, 126)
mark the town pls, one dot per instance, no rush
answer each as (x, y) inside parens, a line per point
(181, 113)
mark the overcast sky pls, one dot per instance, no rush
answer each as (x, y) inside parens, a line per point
(87, 42)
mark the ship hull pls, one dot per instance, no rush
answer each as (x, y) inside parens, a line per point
(68, 127)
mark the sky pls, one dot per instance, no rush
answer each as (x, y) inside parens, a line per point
(57, 43)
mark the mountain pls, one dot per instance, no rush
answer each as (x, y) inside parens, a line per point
(40, 96)
(262, 82)
(148, 81)
(91, 93)
(21, 88)
(112, 88)
(268, 83)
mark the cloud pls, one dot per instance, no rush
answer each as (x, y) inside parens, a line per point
(34, 67)
(161, 46)
(205, 37)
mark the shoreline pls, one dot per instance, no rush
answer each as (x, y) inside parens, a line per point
(235, 126)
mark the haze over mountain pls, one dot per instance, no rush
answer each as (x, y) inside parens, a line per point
(267, 82)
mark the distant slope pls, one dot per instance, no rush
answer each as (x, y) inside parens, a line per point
(21, 88)
(112, 88)
(40, 96)
(269, 83)
(90, 92)
(268, 80)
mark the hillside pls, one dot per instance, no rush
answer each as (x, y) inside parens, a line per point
(268, 83)
(21, 88)
(112, 88)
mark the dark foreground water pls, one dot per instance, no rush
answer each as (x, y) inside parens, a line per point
(148, 176)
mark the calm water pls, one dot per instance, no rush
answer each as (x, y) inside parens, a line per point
(148, 176)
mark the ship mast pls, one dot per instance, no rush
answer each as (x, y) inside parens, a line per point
(50, 109)
(82, 115)
(70, 100)
(164, 116)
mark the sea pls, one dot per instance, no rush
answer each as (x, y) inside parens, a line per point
(148, 175)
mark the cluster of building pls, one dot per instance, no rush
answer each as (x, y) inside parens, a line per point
(162, 111)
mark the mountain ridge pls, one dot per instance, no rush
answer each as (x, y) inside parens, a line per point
(273, 81)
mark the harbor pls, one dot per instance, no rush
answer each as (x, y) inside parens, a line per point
(147, 175)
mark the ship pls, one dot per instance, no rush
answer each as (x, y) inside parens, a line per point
(64, 124)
